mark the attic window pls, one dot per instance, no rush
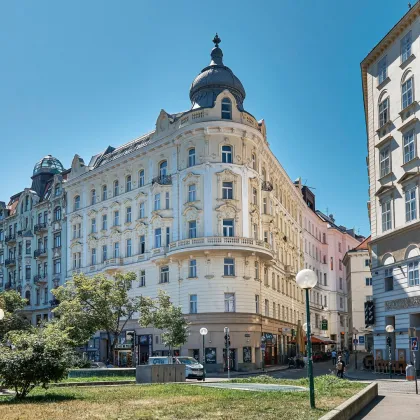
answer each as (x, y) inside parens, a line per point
(226, 109)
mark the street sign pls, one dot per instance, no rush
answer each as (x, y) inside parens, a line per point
(355, 341)
(362, 339)
(414, 344)
(324, 325)
(262, 346)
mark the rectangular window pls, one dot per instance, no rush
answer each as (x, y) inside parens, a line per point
(192, 268)
(28, 247)
(168, 236)
(340, 265)
(141, 178)
(228, 227)
(325, 279)
(257, 270)
(367, 262)
(406, 47)
(141, 211)
(93, 225)
(229, 267)
(191, 193)
(116, 218)
(413, 273)
(128, 215)
(410, 205)
(128, 248)
(368, 281)
(93, 254)
(104, 253)
(255, 231)
(164, 274)
(191, 157)
(385, 162)
(158, 238)
(192, 229)
(193, 304)
(142, 244)
(407, 93)
(386, 216)
(264, 205)
(340, 283)
(116, 250)
(167, 200)
(382, 70)
(104, 222)
(57, 266)
(57, 240)
(339, 247)
(142, 277)
(383, 112)
(389, 279)
(128, 183)
(266, 308)
(254, 196)
(104, 192)
(157, 202)
(229, 302)
(227, 190)
(257, 304)
(265, 236)
(341, 302)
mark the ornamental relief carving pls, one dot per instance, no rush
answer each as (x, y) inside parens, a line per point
(191, 213)
(141, 196)
(141, 228)
(404, 303)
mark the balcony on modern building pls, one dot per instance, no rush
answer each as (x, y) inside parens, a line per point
(40, 253)
(232, 243)
(267, 186)
(162, 180)
(10, 262)
(10, 238)
(40, 278)
(40, 227)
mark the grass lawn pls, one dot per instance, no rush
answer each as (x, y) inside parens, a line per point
(100, 379)
(175, 401)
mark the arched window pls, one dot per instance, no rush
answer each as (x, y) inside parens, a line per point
(28, 297)
(57, 213)
(227, 154)
(191, 157)
(116, 187)
(226, 109)
(141, 177)
(163, 168)
(104, 192)
(407, 92)
(383, 111)
(77, 202)
(254, 161)
(93, 197)
(128, 183)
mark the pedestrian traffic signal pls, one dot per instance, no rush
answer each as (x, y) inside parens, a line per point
(388, 341)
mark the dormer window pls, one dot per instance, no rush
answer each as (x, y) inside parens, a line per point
(226, 109)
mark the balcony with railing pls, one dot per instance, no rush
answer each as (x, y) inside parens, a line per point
(10, 262)
(40, 253)
(267, 186)
(40, 227)
(40, 278)
(162, 180)
(222, 242)
(10, 238)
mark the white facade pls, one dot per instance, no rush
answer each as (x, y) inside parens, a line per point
(391, 94)
(202, 209)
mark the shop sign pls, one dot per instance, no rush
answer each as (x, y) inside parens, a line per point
(324, 325)
(121, 346)
(247, 356)
(210, 354)
(247, 335)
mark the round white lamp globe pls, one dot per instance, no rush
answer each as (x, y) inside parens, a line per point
(389, 329)
(203, 331)
(306, 279)
(1, 314)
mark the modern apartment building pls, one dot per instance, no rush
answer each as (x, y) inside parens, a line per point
(359, 286)
(201, 208)
(325, 244)
(391, 107)
(32, 231)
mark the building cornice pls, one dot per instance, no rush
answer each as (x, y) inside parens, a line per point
(400, 231)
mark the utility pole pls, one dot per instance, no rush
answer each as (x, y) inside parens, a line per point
(227, 346)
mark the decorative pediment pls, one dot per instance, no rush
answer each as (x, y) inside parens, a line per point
(115, 204)
(92, 236)
(408, 176)
(128, 201)
(92, 213)
(103, 209)
(76, 217)
(228, 211)
(141, 196)
(157, 220)
(191, 213)
(141, 228)
(227, 175)
(191, 177)
(385, 189)
(156, 187)
(115, 234)
(75, 243)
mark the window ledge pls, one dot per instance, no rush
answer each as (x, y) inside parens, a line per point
(404, 165)
(247, 277)
(384, 141)
(408, 121)
(229, 277)
(408, 61)
(383, 127)
(382, 178)
(192, 278)
(209, 276)
(383, 83)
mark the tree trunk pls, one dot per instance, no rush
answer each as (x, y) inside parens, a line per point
(110, 349)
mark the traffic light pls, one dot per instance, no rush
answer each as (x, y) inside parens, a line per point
(227, 340)
(388, 341)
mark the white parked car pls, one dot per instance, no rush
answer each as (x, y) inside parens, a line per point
(193, 369)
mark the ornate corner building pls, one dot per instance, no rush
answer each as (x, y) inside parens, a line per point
(202, 209)
(32, 232)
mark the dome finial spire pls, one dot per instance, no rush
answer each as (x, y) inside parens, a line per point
(216, 40)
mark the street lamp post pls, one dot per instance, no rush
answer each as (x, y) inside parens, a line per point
(389, 329)
(203, 332)
(355, 332)
(307, 279)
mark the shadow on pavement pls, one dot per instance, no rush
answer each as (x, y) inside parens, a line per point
(368, 408)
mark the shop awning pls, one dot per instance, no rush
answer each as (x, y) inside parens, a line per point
(317, 340)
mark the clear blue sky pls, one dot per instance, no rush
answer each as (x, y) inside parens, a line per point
(78, 76)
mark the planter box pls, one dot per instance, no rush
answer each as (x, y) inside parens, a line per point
(154, 374)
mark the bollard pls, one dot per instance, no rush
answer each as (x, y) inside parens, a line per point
(409, 372)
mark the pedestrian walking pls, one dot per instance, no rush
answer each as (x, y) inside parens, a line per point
(347, 356)
(340, 367)
(334, 357)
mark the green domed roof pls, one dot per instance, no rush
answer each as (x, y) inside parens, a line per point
(48, 165)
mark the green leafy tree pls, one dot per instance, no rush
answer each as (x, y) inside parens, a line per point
(34, 357)
(12, 305)
(162, 314)
(88, 304)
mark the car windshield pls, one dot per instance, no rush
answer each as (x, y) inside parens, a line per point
(187, 360)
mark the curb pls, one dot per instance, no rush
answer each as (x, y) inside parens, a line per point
(101, 383)
(353, 405)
